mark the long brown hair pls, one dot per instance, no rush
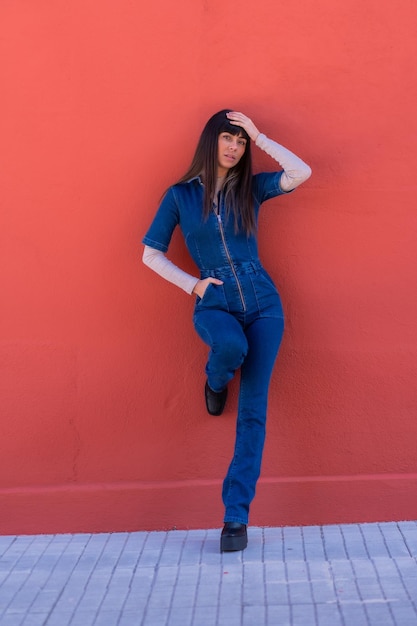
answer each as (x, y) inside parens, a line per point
(238, 183)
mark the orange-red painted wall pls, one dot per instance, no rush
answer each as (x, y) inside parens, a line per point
(103, 424)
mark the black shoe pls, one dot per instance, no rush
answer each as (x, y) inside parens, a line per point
(234, 537)
(215, 400)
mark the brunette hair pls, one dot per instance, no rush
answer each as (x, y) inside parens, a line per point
(238, 183)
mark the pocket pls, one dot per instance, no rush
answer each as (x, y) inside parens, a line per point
(267, 296)
(213, 298)
(207, 291)
(203, 298)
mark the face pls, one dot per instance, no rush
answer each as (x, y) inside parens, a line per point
(230, 149)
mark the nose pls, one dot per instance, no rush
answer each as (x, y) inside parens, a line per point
(233, 145)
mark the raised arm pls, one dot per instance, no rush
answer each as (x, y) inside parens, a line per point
(295, 170)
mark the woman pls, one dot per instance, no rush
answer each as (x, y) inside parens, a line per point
(238, 311)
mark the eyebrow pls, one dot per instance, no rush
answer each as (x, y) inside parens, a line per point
(239, 136)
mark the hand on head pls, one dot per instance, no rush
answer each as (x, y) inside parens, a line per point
(239, 119)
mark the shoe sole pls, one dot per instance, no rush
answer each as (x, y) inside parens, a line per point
(232, 544)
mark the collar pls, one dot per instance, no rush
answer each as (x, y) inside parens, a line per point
(197, 178)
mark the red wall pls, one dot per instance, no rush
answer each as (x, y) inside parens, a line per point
(103, 424)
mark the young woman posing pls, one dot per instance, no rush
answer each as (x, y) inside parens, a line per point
(238, 311)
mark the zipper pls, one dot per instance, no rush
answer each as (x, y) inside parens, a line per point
(229, 258)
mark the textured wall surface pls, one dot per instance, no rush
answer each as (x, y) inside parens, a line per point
(103, 424)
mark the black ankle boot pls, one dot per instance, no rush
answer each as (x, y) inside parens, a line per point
(215, 400)
(234, 537)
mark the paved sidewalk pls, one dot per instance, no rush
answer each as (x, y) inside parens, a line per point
(347, 575)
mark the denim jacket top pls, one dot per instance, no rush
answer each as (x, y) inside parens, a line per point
(208, 241)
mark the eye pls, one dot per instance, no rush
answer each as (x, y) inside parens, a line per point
(242, 142)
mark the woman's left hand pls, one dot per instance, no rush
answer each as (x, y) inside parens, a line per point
(239, 119)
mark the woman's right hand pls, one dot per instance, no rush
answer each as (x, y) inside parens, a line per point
(201, 285)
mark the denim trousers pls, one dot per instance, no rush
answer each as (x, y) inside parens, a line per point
(242, 322)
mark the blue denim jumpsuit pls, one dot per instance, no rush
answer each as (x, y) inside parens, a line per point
(241, 320)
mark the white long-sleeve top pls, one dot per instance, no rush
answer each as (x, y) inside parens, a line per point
(295, 172)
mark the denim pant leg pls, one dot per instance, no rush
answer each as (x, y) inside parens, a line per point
(228, 345)
(264, 337)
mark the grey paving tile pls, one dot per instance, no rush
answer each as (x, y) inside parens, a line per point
(231, 588)
(135, 541)
(393, 589)
(300, 593)
(275, 571)
(354, 541)
(206, 596)
(254, 615)
(363, 568)
(10, 588)
(5, 542)
(230, 614)
(184, 599)
(313, 543)
(386, 567)
(193, 547)
(155, 615)
(273, 544)
(293, 548)
(370, 590)
(80, 618)
(394, 540)
(277, 614)
(354, 614)
(407, 567)
(320, 570)
(409, 532)
(204, 616)
(303, 614)
(13, 553)
(331, 615)
(341, 569)
(323, 591)
(348, 592)
(181, 616)
(115, 597)
(107, 618)
(410, 584)
(12, 619)
(185, 587)
(333, 542)
(61, 618)
(173, 548)
(297, 571)
(379, 613)
(254, 596)
(210, 550)
(376, 546)
(277, 593)
(254, 551)
(404, 613)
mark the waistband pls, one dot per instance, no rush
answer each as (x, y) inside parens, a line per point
(246, 267)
